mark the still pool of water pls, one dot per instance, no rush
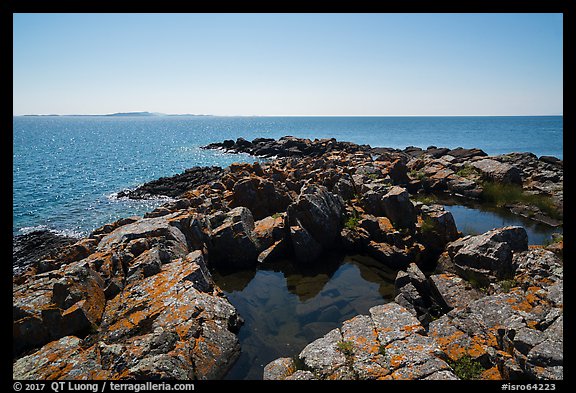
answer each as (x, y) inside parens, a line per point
(473, 220)
(285, 307)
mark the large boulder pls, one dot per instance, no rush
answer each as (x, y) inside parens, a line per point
(233, 243)
(263, 197)
(315, 221)
(399, 208)
(488, 256)
(497, 171)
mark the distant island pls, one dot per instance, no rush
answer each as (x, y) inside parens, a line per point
(122, 114)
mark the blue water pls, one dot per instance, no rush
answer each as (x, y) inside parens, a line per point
(67, 169)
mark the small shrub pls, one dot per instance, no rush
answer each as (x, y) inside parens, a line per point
(466, 368)
(427, 226)
(481, 285)
(507, 285)
(382, 349)
(352, 222)
(414, 174)
(427, 199)
(276, 215)
(346, 347)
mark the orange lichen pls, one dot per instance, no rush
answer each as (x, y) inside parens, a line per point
(491, 374)
(396, 360)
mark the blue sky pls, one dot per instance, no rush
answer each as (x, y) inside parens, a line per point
(289, 64)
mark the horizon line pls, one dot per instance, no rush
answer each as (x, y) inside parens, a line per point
(159, 114)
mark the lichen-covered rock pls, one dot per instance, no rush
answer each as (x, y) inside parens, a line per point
(280, 368)
(453, 291)
(389, 343)
(56, 304)
(174, 324)
(233, 243)
(488, 256)
(61, 359)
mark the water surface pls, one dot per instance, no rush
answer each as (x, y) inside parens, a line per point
(285, 307)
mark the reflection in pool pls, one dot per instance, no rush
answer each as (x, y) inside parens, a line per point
(475, 220)
(285, 308)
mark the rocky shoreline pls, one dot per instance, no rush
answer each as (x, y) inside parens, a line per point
(135, 299)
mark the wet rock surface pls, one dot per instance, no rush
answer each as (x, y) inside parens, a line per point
(136, 299)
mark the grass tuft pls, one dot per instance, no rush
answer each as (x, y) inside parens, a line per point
(501, 194)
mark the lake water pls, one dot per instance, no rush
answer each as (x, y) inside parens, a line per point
(67, 169)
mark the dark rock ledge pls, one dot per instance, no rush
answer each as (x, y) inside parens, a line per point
(135, 299)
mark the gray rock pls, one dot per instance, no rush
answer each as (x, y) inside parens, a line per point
(233, 242)
(368, 360)
(158, 227)
(409, 297)
(399, 208)
(497, 171)
(301, 375)
(488, 256)
(444, 375)
(546, 354)
(452, 291)
(323, 355)
(394, 322)
(263, 197)
(320, 212)
(526, 338)
(147, 263)
(161, 366)
(306, 248)
(390, 255)
(279, 369)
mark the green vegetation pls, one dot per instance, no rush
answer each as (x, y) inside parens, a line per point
(467, 171)
(414, 174)
(382, 349)
(507, 285)
(556, 238)
(373, 176)
(501, 194)
(346, 347)
(427, 226)
(481, 285)
(466, 368)
(352, 220)
(427, 199)
(276, 215)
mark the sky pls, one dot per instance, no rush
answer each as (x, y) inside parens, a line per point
(289, 64)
